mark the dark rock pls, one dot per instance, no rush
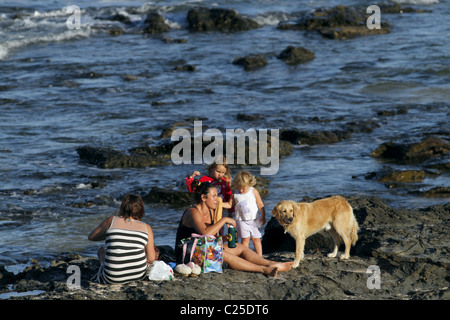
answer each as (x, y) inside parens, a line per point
(251, 62)
(129, 77)
(155, 24)
(6, 277)
(121, 18)
(403, 176)
(138, 157)
(173, 198)
(186, 67)
(217, 19)
(436, 192)
(339, 22)
(174, 40)
(389, 113)
(297, 136)
(387, 8)
(295, 55)
(248, 117)
(417, 152)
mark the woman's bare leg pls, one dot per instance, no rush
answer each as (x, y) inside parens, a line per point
(240, 264)
(252, 257)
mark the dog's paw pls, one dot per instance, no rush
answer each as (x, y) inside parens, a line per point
(331, 255)
(344, 257)
(296, 264)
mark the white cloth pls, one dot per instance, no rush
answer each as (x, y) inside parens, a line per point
(245, 205)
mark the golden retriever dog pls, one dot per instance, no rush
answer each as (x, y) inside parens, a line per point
(302, 220)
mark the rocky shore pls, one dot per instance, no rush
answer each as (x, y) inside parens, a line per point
(407, 248)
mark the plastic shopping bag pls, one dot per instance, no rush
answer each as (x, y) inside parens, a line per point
(159, 270)
(205, 251)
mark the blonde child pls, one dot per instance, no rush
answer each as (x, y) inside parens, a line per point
(247, 201)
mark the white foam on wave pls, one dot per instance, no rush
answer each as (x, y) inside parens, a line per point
(20, 42)
(271, 18)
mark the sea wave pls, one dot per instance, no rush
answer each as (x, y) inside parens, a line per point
(10, 45)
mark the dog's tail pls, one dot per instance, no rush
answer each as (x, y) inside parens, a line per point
(354, 231)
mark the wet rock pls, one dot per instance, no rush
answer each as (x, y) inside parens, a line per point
(429, 147)
(436, 192)
(340, 22)
(262, 185)
(186, 67)
(403, 176)
(155, 24)
(6, 276)
(249, 117)
(387, 8)
(129, 77)
(296, 55)
(251, 62)
(111, 158)
(297, 136)
(167, 196)
(218, 19)
(390, 113)
(310, 138)
(174, 40)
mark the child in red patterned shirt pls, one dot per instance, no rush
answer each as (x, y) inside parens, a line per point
(219, 175)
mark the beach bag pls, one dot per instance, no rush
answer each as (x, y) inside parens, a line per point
(159, 270)
(205, 251)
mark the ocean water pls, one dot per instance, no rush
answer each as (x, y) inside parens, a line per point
(64, 88)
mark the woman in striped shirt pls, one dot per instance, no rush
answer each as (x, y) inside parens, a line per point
(129, 246)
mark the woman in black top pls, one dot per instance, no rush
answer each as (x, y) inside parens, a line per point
(199, 219)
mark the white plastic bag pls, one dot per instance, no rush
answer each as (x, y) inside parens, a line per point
(159, 270)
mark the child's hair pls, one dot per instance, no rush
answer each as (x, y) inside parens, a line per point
(244, 178)
(220, 160)
(201, 188)
(132, 206)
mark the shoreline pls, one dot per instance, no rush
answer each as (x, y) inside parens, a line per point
(409, 246)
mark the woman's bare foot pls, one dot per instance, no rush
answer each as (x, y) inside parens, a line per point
(282, 266)
(270, 271)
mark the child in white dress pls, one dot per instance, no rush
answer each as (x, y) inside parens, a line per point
(247, 201)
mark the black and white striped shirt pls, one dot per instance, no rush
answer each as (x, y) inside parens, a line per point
(125, 258)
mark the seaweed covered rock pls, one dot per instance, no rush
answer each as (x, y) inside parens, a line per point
(136, 158)
(251, 62)
(415, 152)
(297, 136)
(296, 55)
(155, 24)
(218, 19)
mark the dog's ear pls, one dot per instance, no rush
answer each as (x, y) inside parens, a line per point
(275, 211)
